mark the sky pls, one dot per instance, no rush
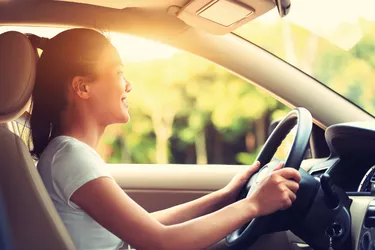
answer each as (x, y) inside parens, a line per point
(334, 20)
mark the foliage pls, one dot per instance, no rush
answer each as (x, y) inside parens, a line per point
(187, 110)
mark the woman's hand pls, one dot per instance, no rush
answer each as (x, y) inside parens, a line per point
(234, 187)
(276, 191)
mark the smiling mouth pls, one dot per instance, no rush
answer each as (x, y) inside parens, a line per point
(123, 100)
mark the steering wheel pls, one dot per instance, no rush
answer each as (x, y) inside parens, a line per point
(249, 233)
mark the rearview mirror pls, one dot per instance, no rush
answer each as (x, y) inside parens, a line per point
(283, 6)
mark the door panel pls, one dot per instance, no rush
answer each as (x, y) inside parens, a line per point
(157, 187)
(173, 177)
(152, 200)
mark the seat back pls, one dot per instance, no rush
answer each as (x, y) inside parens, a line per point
(5, 239)
(32, 217)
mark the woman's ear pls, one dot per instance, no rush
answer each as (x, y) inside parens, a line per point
(80, 87)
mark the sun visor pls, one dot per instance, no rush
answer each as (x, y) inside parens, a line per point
(222, 16)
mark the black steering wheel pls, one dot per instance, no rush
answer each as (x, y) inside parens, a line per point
(249, 233)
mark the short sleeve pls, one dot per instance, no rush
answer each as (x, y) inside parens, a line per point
(74, 165)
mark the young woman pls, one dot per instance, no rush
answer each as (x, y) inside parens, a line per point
(80, 90)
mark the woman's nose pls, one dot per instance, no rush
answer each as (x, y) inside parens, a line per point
(128, 87)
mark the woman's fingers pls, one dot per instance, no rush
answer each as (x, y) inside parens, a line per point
(292, 185)
(279, 166)
(290, 173)
(288, 198)
(252, 168)
(292, 195)
(249, 171)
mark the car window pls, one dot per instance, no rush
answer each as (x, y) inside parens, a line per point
(184, 109)
(330, 40)
(187, 110)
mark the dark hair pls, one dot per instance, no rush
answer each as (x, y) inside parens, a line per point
(71, 53)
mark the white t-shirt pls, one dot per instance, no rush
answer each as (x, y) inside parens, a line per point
(65, 165)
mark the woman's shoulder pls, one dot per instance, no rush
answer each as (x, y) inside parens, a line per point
(68, 151)
(67, 156)
(68, 164)
(71, 146)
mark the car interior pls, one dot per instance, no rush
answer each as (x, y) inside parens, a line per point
(335, 209)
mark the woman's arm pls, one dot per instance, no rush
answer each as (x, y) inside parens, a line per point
(193, 209)
(208, 203)
(106, 202)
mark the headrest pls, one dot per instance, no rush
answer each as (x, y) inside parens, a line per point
(17, 74)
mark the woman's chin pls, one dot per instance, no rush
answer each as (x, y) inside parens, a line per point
(127, 120)
(125, 117)
(122, 117)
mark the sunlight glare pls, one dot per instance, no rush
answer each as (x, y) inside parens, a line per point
(335, 20)
(131, 48)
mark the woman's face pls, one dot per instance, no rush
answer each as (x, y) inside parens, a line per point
(108, 93)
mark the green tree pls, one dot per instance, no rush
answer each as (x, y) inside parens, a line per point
(158, 95)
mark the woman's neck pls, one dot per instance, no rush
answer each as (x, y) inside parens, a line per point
(82, 127)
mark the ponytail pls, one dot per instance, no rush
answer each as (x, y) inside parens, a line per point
(47, 103)
(40, 132)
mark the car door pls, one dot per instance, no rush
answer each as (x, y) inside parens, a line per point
(156, 187)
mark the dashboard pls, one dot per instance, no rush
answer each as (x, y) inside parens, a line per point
(352, 161)
(368, 181)
(351, 168)
(344, 200)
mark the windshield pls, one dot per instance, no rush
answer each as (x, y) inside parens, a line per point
(331, 40)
